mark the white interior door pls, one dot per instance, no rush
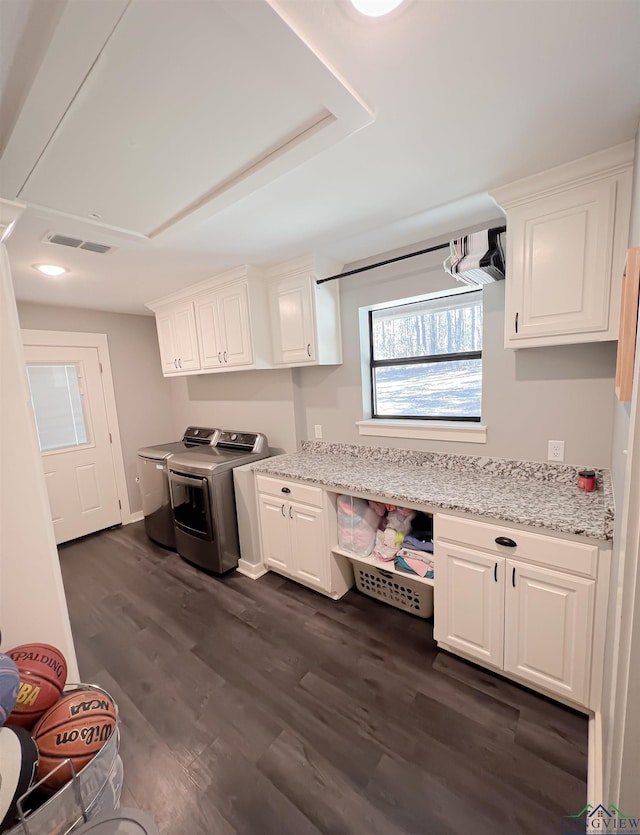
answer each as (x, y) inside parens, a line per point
(73, 433)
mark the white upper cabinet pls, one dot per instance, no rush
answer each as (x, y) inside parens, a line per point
(305, 316)
(224, 327)
(217, 325)
(177, 338)
(567, 231)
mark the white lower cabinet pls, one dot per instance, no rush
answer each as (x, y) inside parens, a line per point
(292, 539)
(532, 622)
(297, 531)
(469, 600)
(548, 617)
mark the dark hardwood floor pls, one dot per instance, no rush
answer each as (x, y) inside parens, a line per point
(263, 708)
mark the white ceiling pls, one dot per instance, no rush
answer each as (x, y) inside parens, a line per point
(173, 120)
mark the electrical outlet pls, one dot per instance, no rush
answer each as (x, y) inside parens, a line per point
(318, 430)
(555, 451)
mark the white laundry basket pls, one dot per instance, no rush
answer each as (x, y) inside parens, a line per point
(402, 592)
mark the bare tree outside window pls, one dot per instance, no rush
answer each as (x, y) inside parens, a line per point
(426, 359)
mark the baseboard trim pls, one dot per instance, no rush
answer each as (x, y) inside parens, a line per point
(138, 516)
(250, 570)
(595, 781)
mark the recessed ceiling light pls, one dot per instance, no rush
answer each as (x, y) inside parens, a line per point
(376, 8)
(50, 269)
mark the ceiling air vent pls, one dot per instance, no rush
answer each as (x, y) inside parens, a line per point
(93, 247)
(77, 243)
(63, 240)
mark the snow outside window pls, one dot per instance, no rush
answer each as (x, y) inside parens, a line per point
(426, 359)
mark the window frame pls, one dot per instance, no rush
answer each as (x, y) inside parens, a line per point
(421, 360)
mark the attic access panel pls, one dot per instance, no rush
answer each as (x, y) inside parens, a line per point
(189, 106)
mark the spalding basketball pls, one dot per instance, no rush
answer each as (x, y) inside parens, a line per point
(9, 686)
(76, 728)
(43, 674)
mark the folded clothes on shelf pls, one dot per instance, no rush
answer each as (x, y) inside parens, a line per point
(413, 566)
(387, 544)
(414, 540)
(414, 561)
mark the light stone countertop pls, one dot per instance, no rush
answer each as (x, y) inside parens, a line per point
(527, 493)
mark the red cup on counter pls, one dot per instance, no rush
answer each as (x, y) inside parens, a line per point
(587, 480)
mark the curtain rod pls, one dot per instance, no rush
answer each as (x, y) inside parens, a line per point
(392, 260)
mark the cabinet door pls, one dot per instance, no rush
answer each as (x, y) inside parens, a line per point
(559, 278)
(233, 313)
(275, 532)
(291, 309)
(310, 556)
(469, 602)
(209, 335)
(548, 624)
(186, 339)
(167, 343)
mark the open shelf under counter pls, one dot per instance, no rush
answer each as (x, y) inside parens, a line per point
(383, 566)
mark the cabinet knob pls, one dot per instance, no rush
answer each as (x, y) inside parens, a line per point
(504, 540)
(285, 490)
(308, 349)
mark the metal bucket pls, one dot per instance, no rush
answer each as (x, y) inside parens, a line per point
(93, 791)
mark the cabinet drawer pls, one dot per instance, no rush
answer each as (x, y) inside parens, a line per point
(292, 491)
(575, 557)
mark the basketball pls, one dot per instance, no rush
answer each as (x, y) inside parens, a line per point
(76, 728)
(9, 686)
(43, 674)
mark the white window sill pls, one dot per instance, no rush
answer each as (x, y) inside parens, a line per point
(472, 433)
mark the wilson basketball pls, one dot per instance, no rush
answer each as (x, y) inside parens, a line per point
(43, 674)
(76, 728)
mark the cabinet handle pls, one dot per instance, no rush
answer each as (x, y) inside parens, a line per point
(285, 490)
(504, 540)
(175, 363)
(516, 323)
(282, 509)
(308, 349)
(225, 356)
(290, 512)
(179, 363)
(513, 577)
(219, 356)
(495, 572)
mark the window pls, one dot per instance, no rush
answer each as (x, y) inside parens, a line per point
(426, 359)
(57, 405)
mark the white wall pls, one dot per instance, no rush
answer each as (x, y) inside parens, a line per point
(143, 395)
(529, 396)
(252, 401)
(32, 602)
